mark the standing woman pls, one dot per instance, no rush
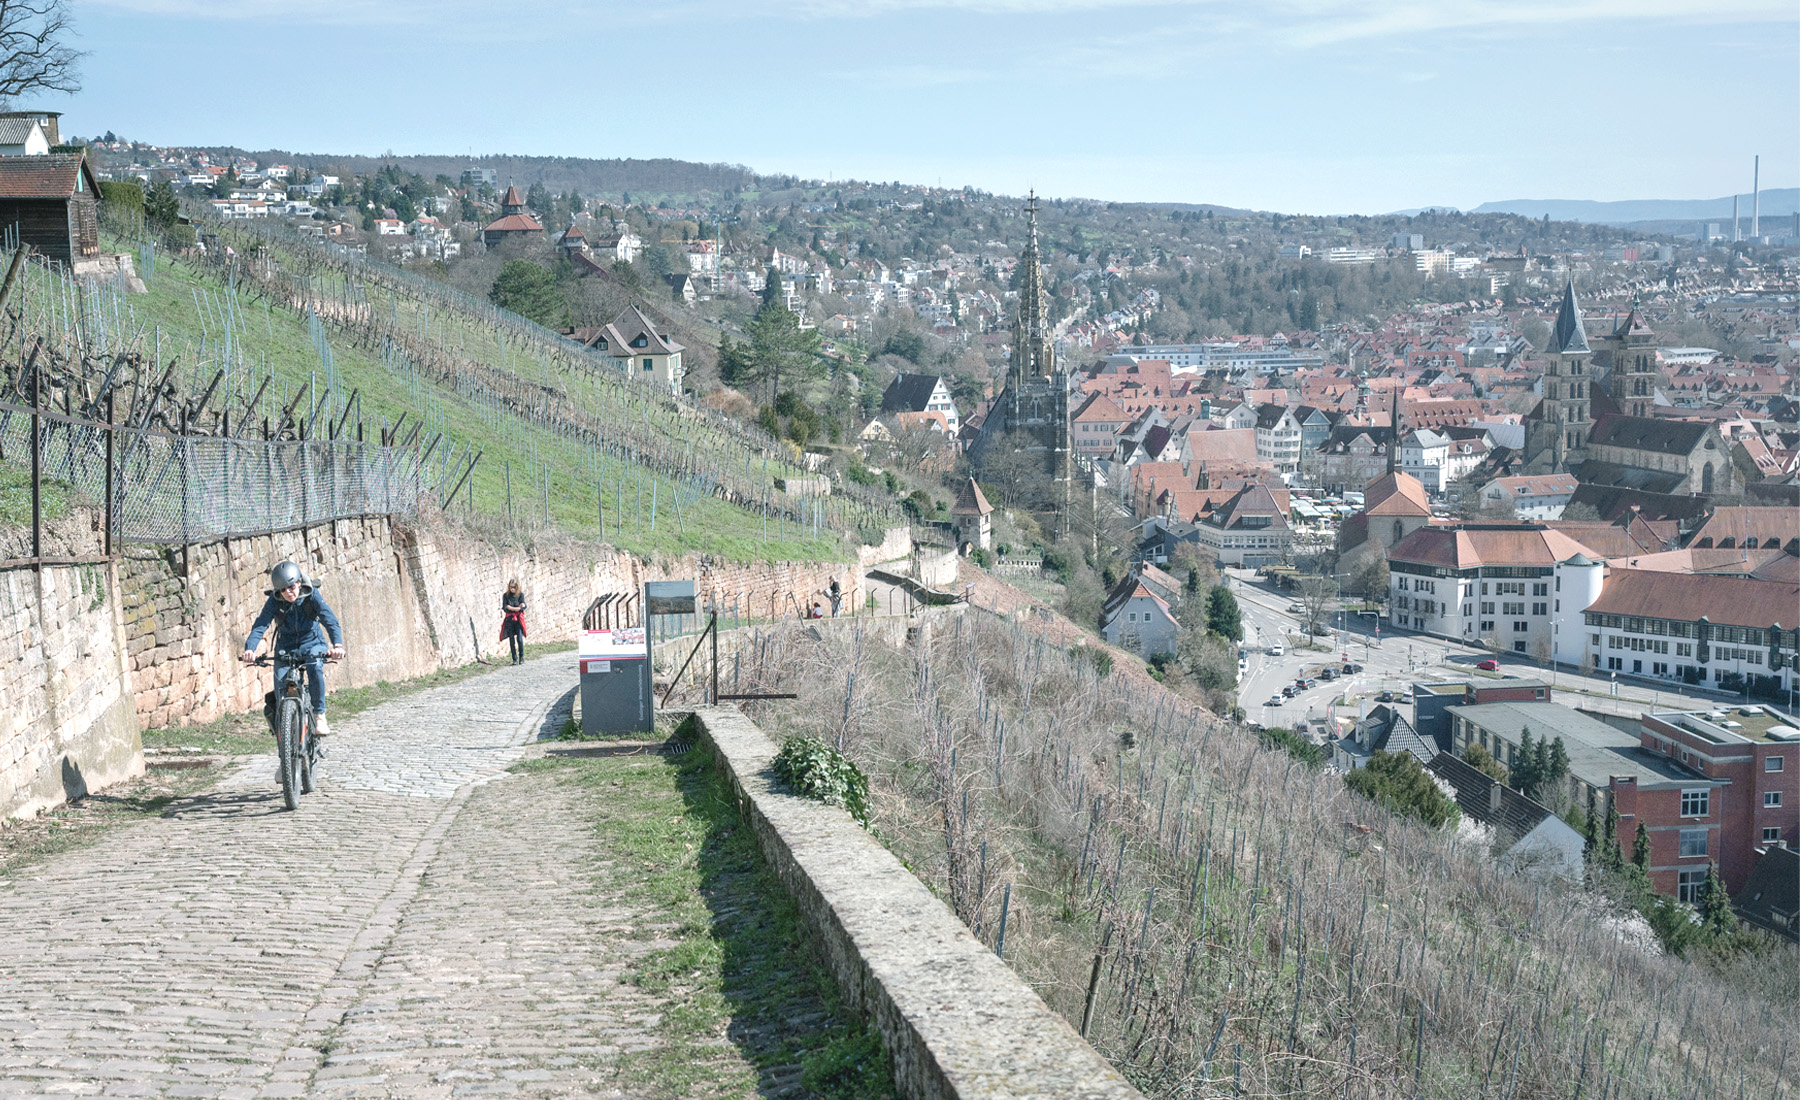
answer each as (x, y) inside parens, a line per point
(512, 622)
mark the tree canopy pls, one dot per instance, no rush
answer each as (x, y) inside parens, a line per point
(1223, 616)
(1398, 781)
(781, 349)
(531, 292)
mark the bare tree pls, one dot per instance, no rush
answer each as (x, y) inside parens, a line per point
(33, 53)
(1316, 593)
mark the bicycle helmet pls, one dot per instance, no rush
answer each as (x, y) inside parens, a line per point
(287, 573)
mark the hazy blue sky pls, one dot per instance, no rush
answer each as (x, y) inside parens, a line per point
(1318, 106)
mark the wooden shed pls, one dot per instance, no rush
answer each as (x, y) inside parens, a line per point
(50, 202)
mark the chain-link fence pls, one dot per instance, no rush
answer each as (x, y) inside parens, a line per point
(182, 490)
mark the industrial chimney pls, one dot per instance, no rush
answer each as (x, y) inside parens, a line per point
(1736, 236)
(1756, 198)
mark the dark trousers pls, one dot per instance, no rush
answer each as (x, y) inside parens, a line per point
(315, 682)
(516, 643)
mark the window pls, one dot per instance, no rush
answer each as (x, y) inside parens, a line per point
(1773, 763)
(1487, 607)
(1688, 886)
(649, 364)
(1518, 647)
(1771, 800)
(1693, 843)
(1520, 627)
(1539, 609)
(1771, 834)
(1694, 803)
(1540, 590)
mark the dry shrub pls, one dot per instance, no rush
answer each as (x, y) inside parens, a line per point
(1259, 930)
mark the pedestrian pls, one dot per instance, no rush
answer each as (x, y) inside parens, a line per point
(815, 611)
(836, 595)
(512, 620)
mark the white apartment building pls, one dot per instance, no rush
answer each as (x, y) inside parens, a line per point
(1690, 628)
(1493, 584)
(1278, 437)
(1535, 496)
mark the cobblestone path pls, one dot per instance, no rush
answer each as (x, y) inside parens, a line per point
(425, 925)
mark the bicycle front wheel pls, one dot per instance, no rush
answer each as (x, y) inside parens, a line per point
(287, 751)
(308, 758)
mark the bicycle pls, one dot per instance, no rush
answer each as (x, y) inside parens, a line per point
(297, 751)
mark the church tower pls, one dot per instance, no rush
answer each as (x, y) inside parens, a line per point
(1633, 380)
(1033, 410)
(1562, 419)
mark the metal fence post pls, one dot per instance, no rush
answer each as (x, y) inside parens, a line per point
(37, 472)
(112, 429)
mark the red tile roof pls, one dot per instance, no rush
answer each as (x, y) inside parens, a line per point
(1687, 597)
(51, 176)
(515, 223)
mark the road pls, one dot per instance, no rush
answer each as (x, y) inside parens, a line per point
(1395, 662)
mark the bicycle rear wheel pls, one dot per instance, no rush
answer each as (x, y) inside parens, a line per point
(287, 751)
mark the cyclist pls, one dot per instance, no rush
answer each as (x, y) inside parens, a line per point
(298, 614)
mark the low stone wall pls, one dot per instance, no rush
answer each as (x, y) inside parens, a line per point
(66, 719)
(956, 1021)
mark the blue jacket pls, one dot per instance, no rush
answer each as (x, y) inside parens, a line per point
(297, 625)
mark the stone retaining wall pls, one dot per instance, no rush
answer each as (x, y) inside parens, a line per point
(412, 599)
(956, 1021)
(66, 721)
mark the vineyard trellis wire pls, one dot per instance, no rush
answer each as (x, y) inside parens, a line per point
(528, 378)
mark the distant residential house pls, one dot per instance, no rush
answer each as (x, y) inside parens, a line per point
(1527, 836)
(22, 136)
(681, 284)
(875, 432)
(1095, 426)
(921, 393)
(1250, 530)
(1541, 496)
(613, 247)
(642, 351)
(390, 227)
(1383, 729)
(1278, 435)
(1137, 619)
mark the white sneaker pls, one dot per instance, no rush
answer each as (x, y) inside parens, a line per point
(321, 728)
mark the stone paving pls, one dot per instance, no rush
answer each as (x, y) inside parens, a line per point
(425, 925)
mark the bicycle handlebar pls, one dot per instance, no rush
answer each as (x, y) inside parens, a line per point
(290, 658)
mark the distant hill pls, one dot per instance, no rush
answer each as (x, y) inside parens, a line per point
(1776, 202)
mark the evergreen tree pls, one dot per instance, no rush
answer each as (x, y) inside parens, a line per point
(1715, 904)
(773, 293)
(1589, 829)
(780, 348)
(1640, 848)
(537, 198)
(1557, 767)
(531, 292)
(1223, 616)
(735, 367)
(1612, 857)
(1524, 774)
(161, 207)
(1399, 782)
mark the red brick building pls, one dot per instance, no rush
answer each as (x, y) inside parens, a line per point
(1744, 799)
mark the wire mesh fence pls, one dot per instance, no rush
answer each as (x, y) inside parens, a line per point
(181, 490)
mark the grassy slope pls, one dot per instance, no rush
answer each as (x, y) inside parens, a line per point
(279, 339)
(1248, 925)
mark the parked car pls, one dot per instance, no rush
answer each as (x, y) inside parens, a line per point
(1351, 668)
(1287, 691)
(1406, 697)
(1385, 697)
(1489, 665)
(1297, 609)
(1328, 674)
(1310, 684)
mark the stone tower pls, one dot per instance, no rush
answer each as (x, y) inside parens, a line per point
(1632, 382)
(1558, 432)
(1034, 407)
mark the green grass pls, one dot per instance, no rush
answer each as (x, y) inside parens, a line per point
(278, 339)
(15, 497)
(750, 1005)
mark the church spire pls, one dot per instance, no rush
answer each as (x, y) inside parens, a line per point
(1033, 356)
(1394, 442)
(1569, 336)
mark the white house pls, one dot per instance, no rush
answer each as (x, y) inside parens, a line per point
(1539, 496)
(1277, 437)
(1137, 619)
(22, 137)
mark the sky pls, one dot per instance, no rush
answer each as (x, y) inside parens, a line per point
(1300, 106)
